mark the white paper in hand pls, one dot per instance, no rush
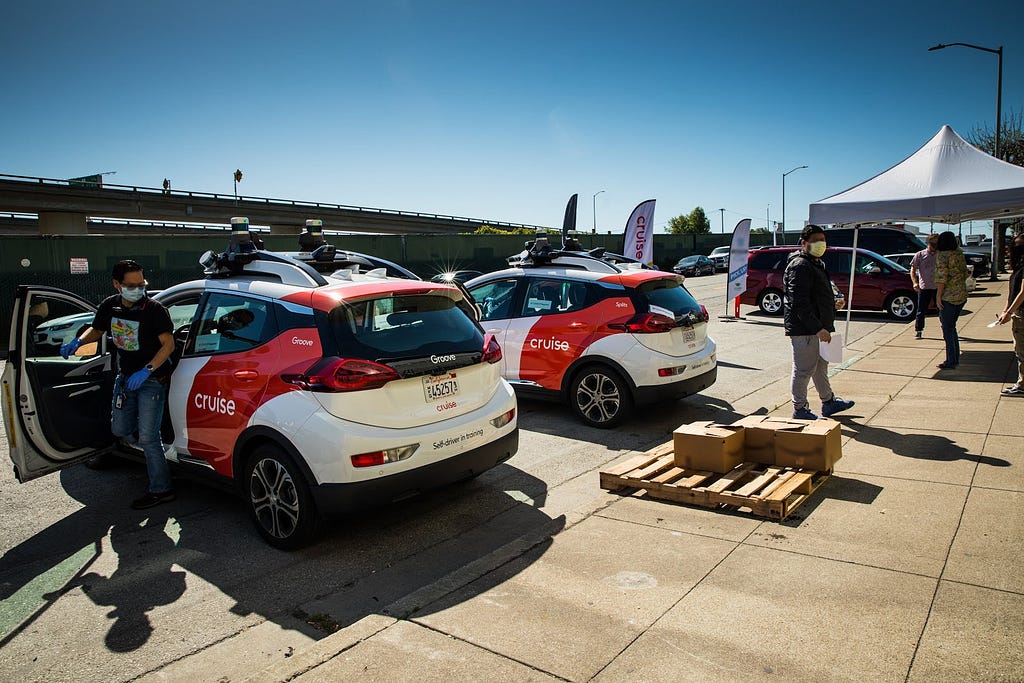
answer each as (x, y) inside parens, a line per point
(833, 350)
(994, 323)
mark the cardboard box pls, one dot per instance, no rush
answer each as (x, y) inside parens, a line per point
(758, 438)
(808, 444)
(708, 446)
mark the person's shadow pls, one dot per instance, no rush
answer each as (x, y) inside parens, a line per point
(142, 580)
(923, 446)
(367, 564)
(131, 603)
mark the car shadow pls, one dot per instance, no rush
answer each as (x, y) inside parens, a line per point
(134, 562)
(647, 427)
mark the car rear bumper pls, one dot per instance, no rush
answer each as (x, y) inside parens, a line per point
(676, 390)
(335, 500)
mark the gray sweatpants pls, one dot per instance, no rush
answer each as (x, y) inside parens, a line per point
(807, 365)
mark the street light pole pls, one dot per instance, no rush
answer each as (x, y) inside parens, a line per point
(723, 220)
(999, 125)
(594, 230)
(784, 200)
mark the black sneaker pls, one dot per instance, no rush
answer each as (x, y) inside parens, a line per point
(152, 500)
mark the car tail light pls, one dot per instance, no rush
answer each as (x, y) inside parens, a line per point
(671, 372)
(504, 418)
(381, 457)
(704, 312)
(492, 349)
(343, 374)
(646, 323)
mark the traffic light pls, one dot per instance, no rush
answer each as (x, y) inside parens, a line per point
(238, 176)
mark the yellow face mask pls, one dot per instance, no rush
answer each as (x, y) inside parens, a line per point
(817, 249)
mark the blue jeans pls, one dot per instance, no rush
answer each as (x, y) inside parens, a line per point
(142, 411)
(925, 298)
(948, 317)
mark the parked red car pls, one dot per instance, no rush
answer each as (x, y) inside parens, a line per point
(879, 285)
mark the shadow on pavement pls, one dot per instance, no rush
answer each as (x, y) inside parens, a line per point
(924, 446)
(979, 366)
(374, 559)
(838, 488)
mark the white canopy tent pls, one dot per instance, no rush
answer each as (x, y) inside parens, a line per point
(948, 180)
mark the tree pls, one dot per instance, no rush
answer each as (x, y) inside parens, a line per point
(695, 222)
(699, 222)
(1011, 139)
(679, 225)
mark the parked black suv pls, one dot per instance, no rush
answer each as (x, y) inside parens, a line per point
(898, 241)
(878, 240)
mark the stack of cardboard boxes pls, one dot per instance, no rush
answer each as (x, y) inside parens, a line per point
(802, 444)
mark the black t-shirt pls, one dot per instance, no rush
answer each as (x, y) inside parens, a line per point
(1016, 277)
(135, 331)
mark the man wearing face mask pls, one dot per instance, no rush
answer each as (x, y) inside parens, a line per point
(810, 303)
(142, 333)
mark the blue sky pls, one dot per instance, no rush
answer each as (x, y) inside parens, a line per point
(499, 110)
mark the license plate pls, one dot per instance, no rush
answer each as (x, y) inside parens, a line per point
(441, 387)
(689, 335)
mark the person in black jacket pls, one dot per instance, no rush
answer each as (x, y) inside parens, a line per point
(809, 308)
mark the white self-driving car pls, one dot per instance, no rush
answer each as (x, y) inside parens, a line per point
(314, 394)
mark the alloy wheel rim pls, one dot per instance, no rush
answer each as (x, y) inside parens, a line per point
(902, 307)
(274, 498)
(598, 397)
(772, 302)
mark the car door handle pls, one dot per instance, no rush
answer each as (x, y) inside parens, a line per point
(577, 325)
(245, 375)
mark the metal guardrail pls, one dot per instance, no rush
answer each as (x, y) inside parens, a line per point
(189, 194)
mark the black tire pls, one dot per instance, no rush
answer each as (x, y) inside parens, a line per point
(770, 301)
(901, 305)
(279, 500)
(600, 397)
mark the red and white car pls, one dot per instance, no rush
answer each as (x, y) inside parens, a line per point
(314, 394)
(601, 336)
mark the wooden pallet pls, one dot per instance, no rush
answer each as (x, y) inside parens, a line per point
(763, 490)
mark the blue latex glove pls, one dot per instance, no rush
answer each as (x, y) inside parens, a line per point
(138, 379)
(70, 348)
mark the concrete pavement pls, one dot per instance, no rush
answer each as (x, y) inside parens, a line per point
(905, 565)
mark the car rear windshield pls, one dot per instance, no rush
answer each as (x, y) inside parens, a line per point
(668, 294)
(403, 327)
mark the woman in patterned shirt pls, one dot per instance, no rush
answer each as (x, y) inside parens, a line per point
(950, 294)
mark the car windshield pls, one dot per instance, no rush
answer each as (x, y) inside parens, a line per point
(403, 327)
(688, 260)
(668, 294)
(720, 250)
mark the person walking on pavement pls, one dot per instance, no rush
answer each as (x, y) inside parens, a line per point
(922, 274)
(1014, 312)
(809, 313)
(950, 294)
(141, 330)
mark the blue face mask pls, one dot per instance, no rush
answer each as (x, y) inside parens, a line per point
(132, 294)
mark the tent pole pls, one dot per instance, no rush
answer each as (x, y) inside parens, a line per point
(849, 296)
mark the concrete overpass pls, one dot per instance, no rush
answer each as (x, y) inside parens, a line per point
(65, 207)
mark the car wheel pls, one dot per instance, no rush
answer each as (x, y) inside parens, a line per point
(279, 500)
(901, 305)
(770, 301)
(600, 396)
